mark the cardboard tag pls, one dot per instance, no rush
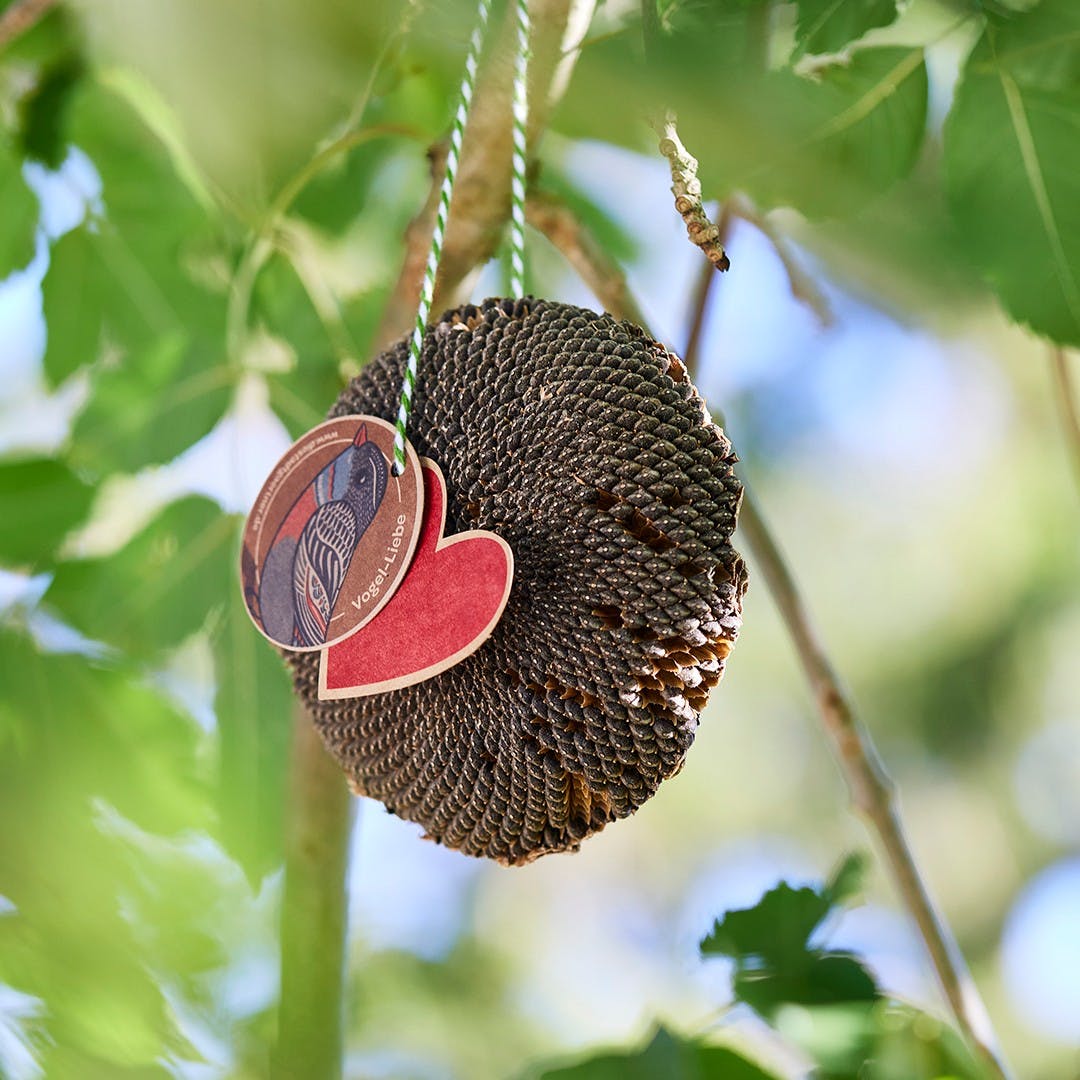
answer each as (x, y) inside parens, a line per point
(331, 534)
(445, 608)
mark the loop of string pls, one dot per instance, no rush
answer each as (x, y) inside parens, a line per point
(517, 201)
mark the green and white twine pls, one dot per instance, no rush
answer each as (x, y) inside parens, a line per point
(517, 204)
(517, 179)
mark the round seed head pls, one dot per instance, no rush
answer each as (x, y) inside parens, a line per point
(583, 443)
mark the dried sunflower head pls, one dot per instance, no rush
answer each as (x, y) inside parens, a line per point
(582, 442)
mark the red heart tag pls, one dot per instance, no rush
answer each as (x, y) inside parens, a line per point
(445, 608)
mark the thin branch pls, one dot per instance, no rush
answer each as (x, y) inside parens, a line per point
(1070, 411)
(803, 286)
(686, 187)
(561, 226)
(872, 791)
(700, 305)
(650, 28)
(310, 1037)
(20, 16)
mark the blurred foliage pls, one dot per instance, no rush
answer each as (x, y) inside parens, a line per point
(180, 564)
(824, 1001)
(667, 1055)
(41, 500)
(770, 944)
(17, 222)
(259, 163)
(71, 942)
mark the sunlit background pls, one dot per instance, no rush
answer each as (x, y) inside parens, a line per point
(910, 457)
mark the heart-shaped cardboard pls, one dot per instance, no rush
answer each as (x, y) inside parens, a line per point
(445, 608)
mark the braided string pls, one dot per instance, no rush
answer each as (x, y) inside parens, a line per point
(428, 290)
(517, 182)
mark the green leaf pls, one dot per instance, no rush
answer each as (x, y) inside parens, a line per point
(843, 140)
(283, 306)
(41, 501)
(192, 905)
(338, 194)
(159, 588)
(826, 26)
(254, 706)
(153, 205)
(18, 221)
(78, 290)
(72, 304)
(809, 979)
(40, 43)
(151, 404)
(1012, 164)
(778, 925)
(770, 944)
(97, 727)
(668, 1056)
(43, 112)
(251, 116)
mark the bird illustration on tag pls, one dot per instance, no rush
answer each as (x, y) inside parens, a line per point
(341, 532)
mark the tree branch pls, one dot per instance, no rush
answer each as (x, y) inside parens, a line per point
(310, 1037)
(872, 792)
(1070, 413)
(20, 16)
(480, 206)
(560, 225)
(686, 187)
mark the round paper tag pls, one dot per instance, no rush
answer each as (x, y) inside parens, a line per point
(331, 534)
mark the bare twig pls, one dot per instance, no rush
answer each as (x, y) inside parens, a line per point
(803, 286)
(20, 16)
(1070, 411)
(706, 282)
(575, 243)
(872, 792)
(310, 1017)
(686, 187)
